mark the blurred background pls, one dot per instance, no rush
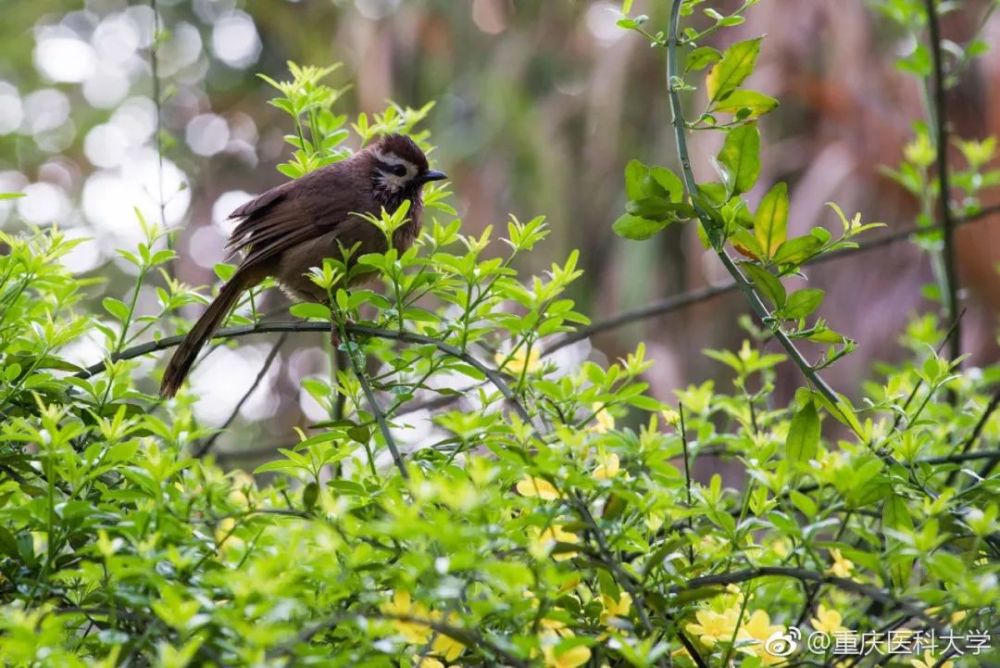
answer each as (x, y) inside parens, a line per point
(539, 107)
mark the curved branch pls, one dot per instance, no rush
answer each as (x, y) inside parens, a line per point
(468, 637)
(912, 608)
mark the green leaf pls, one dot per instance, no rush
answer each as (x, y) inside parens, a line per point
(348, 487)
(636, 228)
(736, 65)
(757, 103)
(895, 514)
(224, 271)
(701, 58)
(802, 302)
(161, 256)
(652, 208)
(657, 208)
(635, 175)
(843, 412)
(11, 195)
(309, 495)
(276, 465)
(360, 435)
(918, 62)
(771, 221)
(8, 544)
(803, 434)
(122, 452)
(309, 311)
(746, 243)
(116, 307)
(797, 250)
(805, 504)
(670, 182)
(767, 283)
(740, 156)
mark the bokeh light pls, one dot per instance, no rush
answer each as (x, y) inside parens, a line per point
(62, 57)
(235, 41)
(207, 134)
(11, 110)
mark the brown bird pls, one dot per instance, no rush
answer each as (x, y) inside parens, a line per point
(293, 227)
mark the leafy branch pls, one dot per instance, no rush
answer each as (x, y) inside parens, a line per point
(712, 226)
(699, 295)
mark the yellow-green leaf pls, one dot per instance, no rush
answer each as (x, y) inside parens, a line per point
(771, 222)
(803, 434)
(757, 103)
(736, 65)
(637, 228)
(740, 157)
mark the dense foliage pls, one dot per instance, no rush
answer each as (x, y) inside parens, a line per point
(545, 513)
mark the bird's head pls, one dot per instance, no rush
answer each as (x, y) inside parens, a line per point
(399, 168)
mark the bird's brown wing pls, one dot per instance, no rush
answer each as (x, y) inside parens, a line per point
(296, 212)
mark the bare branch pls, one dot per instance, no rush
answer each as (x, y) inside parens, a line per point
(264, 327)
(939, 112)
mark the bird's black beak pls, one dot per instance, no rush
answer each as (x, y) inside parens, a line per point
(434, 175)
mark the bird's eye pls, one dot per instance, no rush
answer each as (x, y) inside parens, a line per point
(398, 170)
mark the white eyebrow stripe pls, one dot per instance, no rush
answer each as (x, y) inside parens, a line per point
(392, 159)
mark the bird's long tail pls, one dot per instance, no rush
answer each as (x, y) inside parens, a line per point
(186, 353)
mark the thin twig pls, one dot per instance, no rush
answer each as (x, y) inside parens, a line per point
(207, 444)
(710, 451)
(380, 416)
(974, 436)
(920, 381)
(940, 120)
(622, 577)
(814, 591)
(995, 459)
(687, 476)
(154, 68)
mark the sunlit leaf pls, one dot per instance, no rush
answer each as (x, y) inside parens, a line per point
(771, 220)
(736, 65)
(740, 156)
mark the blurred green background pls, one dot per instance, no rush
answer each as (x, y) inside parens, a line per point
(539, 105)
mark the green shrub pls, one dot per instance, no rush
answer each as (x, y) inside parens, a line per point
(550, 519)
